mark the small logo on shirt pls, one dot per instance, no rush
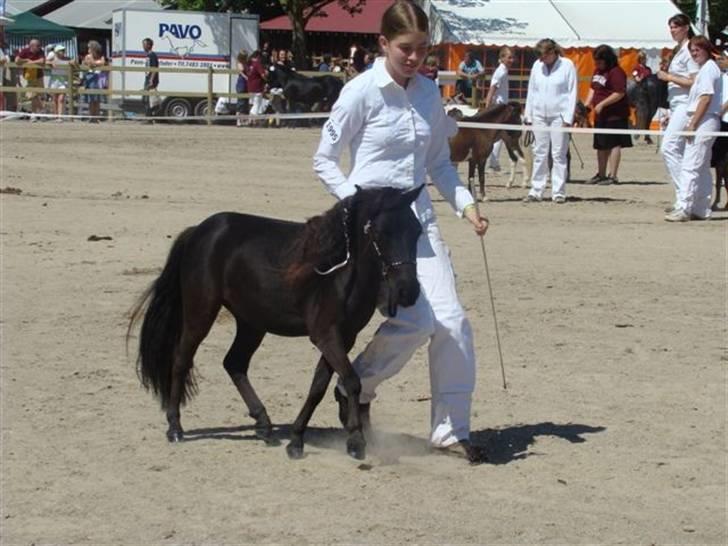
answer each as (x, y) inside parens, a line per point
(332, 131)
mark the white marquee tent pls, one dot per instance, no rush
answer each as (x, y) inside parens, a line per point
(638, 24)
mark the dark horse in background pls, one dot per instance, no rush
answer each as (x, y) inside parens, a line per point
(304, 94)
(646, 96)
(475, 145)
(322, 279)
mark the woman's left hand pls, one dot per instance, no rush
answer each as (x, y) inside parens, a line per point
(480, 223)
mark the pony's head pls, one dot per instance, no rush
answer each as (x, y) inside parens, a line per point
(389, 233)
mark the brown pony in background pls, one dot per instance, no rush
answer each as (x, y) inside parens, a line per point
(476, 145)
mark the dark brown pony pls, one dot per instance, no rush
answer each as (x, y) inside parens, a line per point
(476, 145)
(322, 279)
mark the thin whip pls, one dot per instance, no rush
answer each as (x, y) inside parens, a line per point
(492, 303)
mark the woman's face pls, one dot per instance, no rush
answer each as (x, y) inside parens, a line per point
(699, 55)
(405, 54)
(508, 59)
(600, 64)
(678, 32)
(549, 58)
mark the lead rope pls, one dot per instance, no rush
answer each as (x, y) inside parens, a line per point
(348, 254)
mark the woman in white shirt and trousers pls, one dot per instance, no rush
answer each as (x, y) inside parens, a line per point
(391, 120)
(679, 77)
(498, 93)
(550, 102)
(703, 109)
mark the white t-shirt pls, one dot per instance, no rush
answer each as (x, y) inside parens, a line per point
(683, 65)
(707, 82)
(500, 81)
(725, 96)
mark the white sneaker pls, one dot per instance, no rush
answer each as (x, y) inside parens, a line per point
(677, 216)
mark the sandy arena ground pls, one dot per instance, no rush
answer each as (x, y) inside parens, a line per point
(613, 326)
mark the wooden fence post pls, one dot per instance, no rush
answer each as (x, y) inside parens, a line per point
(210, 107)
(70, 93)
(109, 96)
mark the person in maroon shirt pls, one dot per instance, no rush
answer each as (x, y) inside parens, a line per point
(31, 58)
(256, 84)
(641, 71)
(608, 97)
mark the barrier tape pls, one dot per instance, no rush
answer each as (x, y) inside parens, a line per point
(8, 115)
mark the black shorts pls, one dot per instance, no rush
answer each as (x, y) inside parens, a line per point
(720, 146)
(609, 141)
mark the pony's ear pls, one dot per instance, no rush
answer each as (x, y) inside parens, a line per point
(411, 195)
(358, 188)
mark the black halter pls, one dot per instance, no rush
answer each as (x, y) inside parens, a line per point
(386, 266)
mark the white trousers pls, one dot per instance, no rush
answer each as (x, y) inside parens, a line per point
(559, 144)
(494, 159)
(673, 146)
(695, 185)
(437, 317)
(257, 104)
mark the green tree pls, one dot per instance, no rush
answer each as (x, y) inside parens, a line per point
(264, 8)
(300, 13)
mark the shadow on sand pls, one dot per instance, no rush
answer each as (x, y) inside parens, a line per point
(502, 446)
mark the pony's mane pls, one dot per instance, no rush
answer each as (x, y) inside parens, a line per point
(490, 114)
(321, 242)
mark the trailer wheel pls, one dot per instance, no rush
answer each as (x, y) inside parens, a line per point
(178, 108)
(201, 109)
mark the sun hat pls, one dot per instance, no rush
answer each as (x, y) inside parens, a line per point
(59, 47)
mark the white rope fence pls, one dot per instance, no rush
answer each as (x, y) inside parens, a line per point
(6, 115)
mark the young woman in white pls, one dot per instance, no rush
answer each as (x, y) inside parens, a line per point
(392, 121)
(703, 111)
(550, 102)
(679, 77)
(498, 94)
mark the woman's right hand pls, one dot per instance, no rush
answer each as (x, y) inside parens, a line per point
(664, 76)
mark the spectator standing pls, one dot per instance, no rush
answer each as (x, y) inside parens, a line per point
(641, 70)
(256, 85)
(498, 93)
(31, 58)
(5, 77)
(265, 54)
(430, 68)
(720, 146)
(59, 78)
(608, 97)
(242, 106)
(151, 78)
(703, 111)
(679, 77)
(92, 63)
(468, 71)
(325, 65)
(551, 102)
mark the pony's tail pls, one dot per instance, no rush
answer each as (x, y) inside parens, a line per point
(162, 328)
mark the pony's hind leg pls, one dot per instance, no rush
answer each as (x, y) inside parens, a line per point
(237, 361)
(321, 380)
(182, 383)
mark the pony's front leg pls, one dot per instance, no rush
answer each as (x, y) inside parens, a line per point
(471, 178)
(481, 177)
(321, 379)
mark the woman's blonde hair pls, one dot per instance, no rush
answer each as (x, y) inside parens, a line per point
(402, 17)
(642, 56)
(94, 47)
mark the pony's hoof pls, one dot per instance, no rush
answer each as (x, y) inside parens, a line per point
(356, 450)
(266, 434)
(294, 451)
(175, 436)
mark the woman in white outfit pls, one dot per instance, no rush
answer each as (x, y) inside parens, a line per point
(550, 102)
(498, 94)
(695, 186)
(679, 77)
(392, 121)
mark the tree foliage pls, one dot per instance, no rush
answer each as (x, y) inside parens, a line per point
(264, 8)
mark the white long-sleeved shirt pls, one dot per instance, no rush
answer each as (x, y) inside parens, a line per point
(396, 137)
(683, 65)
(552, 92)
(500, 82)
